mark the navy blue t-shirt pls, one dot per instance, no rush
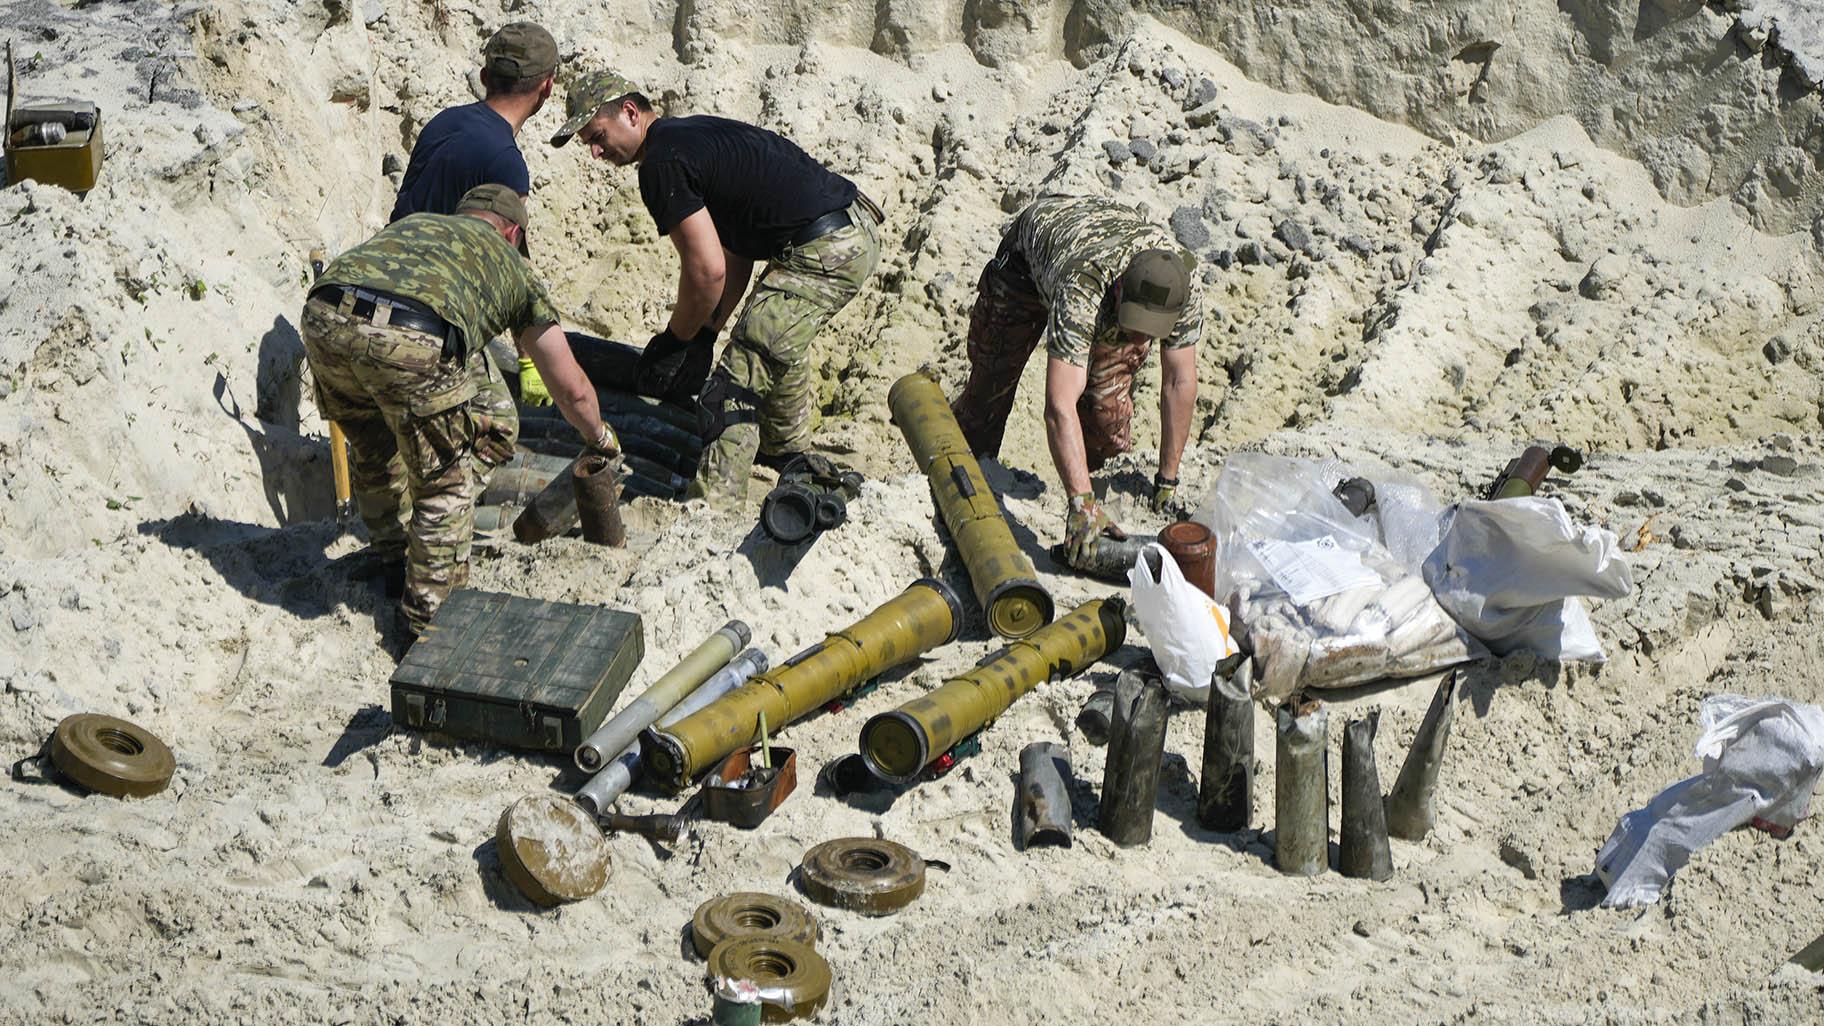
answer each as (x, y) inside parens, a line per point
(460, 148)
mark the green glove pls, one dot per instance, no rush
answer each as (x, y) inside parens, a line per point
(531, 386)
(1165, 491)
(1085, 526)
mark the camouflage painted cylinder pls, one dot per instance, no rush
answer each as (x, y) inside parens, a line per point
(922, 617)
(899, 744)
(1005, 582)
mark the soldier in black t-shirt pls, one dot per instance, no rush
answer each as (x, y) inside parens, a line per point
(729, 194)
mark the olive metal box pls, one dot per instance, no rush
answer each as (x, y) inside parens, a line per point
(516, 671)
(74, 163)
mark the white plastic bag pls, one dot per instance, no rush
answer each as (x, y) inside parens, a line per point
(1508, 570)
(1762, 758)
(1319, 597)
(1189, 631)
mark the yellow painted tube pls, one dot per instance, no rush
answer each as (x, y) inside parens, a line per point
(1005, 582)
(898, 744)
(922, 617)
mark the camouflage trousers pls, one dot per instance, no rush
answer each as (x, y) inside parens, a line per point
(412, 419)
(1005, 326)
(763, 390)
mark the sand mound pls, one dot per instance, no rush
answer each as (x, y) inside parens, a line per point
(1429, 236)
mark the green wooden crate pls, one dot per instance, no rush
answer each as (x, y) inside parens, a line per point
(516, 671)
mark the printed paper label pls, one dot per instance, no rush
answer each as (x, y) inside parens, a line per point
(1312, 570)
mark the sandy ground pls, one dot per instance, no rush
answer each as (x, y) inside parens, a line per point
(1425, 301)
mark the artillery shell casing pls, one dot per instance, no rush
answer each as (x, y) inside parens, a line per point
(1409, 809)
(1097, 716)
(673, 687)
(1130, 782)
(1111, 559)
(517, 481)
(900, 743)
(1301, 797)
(1225, 794)
(551, 513)
(598, 508)
(1003, 577)
(1364, 854)
(1193, 548)
(924, 616)
(1044, 800)
(615, 778)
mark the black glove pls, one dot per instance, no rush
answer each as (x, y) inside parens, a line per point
(673, 369)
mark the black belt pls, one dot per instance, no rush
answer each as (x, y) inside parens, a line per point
(832, 221)
(406, 313)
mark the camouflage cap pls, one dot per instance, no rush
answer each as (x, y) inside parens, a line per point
(1153, 290)
(500, 200)
(586, 97)
(520, 50)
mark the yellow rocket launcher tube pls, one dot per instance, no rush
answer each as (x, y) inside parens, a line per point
(922, 617)
(1005, 582)
(900, 743)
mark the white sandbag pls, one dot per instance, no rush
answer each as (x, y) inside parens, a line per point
(1762, 758)
(1508, 570)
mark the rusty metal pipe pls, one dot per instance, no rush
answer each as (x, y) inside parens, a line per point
(597, 505)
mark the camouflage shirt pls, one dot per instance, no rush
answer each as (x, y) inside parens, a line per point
(455, 264)
(1077, 248)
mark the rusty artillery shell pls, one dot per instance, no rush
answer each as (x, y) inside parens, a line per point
(515, 482)
(552, 511)
(1110, 560)
(898, 744)
(1364, 855)
(597, 505)
(1044, 799)
(1225, 795)
(1409, 810)
(1005, 582)
(1136, 742)
(1301, 798)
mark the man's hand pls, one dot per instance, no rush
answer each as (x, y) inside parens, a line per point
(1165, 494)
(1085, 526)
(673, 368)
(532, 391)
(491, 443)
(606, 442)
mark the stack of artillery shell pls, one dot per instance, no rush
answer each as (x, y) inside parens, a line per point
(1005, 582)
(1364, 853)
(1225, 797)
(617, 776)
(922, 617)
(659, 458)
(1301, 797)
(677, 683)
(1409, 805)
(900, 743)
(1136, 742)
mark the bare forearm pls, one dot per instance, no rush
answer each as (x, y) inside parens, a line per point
(699, 294)
(1064, 434)
(570, 388)
(1176, 401)
(739, 271)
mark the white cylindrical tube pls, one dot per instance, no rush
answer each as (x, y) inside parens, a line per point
(675, 686)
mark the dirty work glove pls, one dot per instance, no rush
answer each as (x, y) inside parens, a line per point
(492, 445)
(1165, 494)
(1086, 525)
(607, 443)
(531, 386)
(675, 369)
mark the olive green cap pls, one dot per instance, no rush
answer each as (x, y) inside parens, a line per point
(520, 50)
(586, 97)
(1153, 291)
(497, 199)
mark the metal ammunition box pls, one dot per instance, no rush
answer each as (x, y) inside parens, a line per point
(516, 671)
(74, 163)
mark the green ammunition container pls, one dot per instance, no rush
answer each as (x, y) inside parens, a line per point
(517, 672)
(899, 744)
(1005, 582)
(74, 163)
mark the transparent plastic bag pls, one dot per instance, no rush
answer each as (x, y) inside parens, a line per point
(1315, 592)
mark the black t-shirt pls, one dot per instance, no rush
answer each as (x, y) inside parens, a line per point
(460, 148)
(760, 188)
